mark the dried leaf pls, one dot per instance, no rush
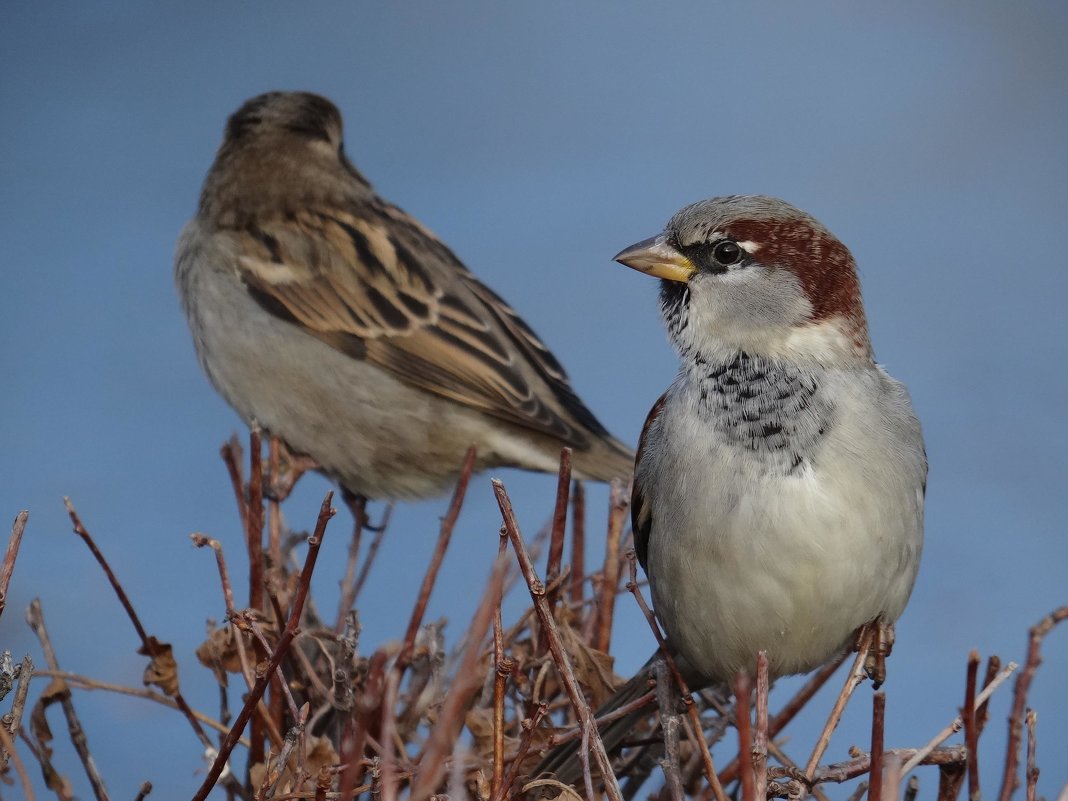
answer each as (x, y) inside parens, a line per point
(56, 690)
(162, 670)
(593, 668)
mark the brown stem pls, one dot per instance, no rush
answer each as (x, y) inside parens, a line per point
(563, 664)
(448, 523)
(578, 543)
(529, 727)
(856, 676)
(556, 538)
(743, 723)
(13, 543)
(254, 695)
(878, 733)
(971, 731)
(1010, 780)
(1032, 768)
(789, 711)
(617, 513)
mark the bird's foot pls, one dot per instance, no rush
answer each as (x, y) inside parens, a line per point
(881, 645)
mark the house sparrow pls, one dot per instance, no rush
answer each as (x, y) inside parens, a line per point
(344, 327)
(779, 484)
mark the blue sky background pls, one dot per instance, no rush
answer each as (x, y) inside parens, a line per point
(536, 140)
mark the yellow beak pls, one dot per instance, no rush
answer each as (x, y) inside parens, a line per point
(656, 257)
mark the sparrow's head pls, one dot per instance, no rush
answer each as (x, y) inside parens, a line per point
(753, 273)
(280, 151)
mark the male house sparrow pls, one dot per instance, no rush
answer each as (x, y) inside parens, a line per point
(779, 484)
(343, 326)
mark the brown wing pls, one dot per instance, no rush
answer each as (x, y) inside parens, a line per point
(641, 513)
(376, 285)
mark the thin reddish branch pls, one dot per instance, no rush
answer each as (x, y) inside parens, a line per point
(13, 543)
(878, 734)
(254, 529)
(556, 538)
(529, 727)
(578, 543)
(563, 664)
(982, 711)
(971, 730)
(743, 723)
(502, 670)
(1010, 780)
(617, 513)
(291, 629)
(448, 524)
(789, 711)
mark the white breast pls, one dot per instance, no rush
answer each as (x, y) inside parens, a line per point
(744, 558)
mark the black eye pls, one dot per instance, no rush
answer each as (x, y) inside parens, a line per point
(727, 252)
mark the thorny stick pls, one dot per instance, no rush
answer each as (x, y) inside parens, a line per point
(971, 731)
(502, 669)
(957, 723)
(1032, 767)
(467, 681)
(529, 727)
(1010, 781)
(617, 513)
(17, 529)
(12, 721)
(878, 733)
(448, 523)
(35, 617)
(780, 720)
(149, 645)
(274, 509)
(556, 538)
(856, 676)
(760, 731)
(563, 664)
(745, 735)
(691, 707)
(578, 542)
(297, 606)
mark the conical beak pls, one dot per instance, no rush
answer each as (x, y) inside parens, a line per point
(656, 257)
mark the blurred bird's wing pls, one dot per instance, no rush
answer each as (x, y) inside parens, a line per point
(371, 282)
